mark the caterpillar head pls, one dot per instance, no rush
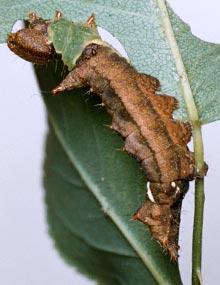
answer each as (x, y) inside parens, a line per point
(32, 43)
(44, 39)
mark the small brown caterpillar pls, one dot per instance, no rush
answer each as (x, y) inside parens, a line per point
(142, 117)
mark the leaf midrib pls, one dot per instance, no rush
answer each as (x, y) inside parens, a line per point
(141, 252)
(114, 276)
(62, 217)
(169, 36)
(129, 236)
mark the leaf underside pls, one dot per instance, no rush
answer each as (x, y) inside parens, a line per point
(148, 51)
(86, 178)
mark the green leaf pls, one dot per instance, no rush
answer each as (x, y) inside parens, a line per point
(149, 50)
(92, 191)
(79, 36)
(83, 232)
(82, 159)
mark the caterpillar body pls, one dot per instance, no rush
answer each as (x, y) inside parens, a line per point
(142, 117)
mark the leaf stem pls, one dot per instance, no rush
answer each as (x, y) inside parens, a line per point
(197, 141)
(197, 232)
(199, 208)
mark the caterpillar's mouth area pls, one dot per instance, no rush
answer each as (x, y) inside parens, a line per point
(31, 45)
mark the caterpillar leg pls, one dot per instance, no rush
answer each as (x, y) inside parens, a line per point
(202, 173)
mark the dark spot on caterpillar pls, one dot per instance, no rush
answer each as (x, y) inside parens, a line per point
(142, 117)
(88, 52)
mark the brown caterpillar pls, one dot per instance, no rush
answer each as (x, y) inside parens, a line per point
(142, 117)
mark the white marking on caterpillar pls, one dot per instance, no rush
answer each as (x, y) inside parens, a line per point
(177, 190)
(173, 184)
(149, 194)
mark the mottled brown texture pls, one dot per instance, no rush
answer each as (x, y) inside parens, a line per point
(152, 136)
(163, 215)
(142, 117)
(31, 43)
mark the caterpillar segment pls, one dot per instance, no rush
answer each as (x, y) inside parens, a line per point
(140, 115)
(158, 142)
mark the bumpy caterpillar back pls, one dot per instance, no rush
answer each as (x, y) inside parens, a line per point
(151, 135)
(142, 117)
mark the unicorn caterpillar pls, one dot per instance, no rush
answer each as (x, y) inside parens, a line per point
(142, 117)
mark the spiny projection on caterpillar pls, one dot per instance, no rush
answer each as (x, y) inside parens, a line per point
(142, 117)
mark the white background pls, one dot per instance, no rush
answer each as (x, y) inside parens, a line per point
(27, 256)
